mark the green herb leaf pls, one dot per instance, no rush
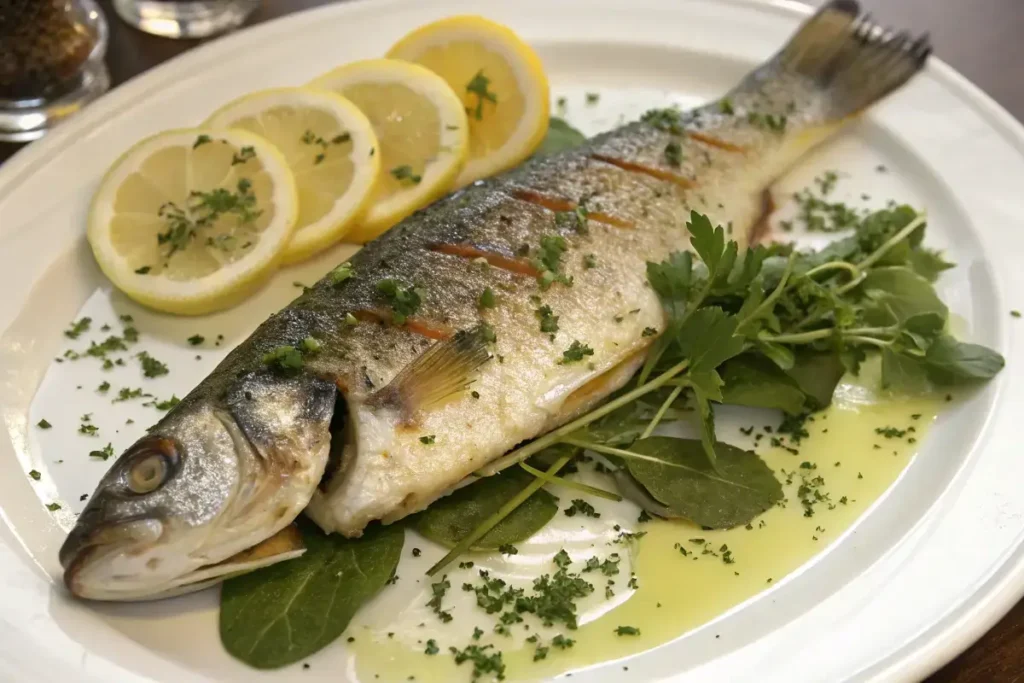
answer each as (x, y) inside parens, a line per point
(341, 273)
(757, 382)
(903, 292)
(453, 517)
(954, 362)
(928, 263)
(405, 301)
(903, 373)
(560, 136)
(816, 374)
(405, 174)
(741, 487)
(478, 86)
(282, 613)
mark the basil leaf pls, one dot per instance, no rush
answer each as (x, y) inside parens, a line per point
(452, 518)
(759, 383)
(903, 292)
(738, 490)
(560, 136)
(280, 614)
(954, 362)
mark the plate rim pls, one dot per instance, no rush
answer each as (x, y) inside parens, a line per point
(925, 652)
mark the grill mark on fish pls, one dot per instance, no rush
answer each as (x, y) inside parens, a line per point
(560, 204)
(424, 328)
(634, 167)
(467, 251)
(716, 142)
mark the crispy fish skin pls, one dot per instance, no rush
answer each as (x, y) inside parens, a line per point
(393, 401)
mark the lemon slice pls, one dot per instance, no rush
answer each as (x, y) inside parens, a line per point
(421, 130)
(501, 82)
(326, 141)
(191, 221)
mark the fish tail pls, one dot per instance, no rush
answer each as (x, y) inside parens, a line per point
(849, 58)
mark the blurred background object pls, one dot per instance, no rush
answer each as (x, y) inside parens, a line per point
(185, 18)
(51, 63)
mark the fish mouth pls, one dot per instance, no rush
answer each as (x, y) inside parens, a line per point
(86, 546)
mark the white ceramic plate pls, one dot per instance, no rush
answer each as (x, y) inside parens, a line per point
(930, 566)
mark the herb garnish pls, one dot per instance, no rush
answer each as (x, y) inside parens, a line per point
(44, 424)
(487, 299)
(151, 367)
(576, 352)
(104, 453)
(548, 320)
(203, 209)
(196, 339)
(404, 174)
(478, 86)
(77, 328)
(290, 359)
(582, 507)
(674, 154)
(405, 301)
(549, 261)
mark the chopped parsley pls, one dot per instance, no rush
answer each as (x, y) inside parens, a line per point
(35, 474)
(53, 507)
(427, 439)
(593, 97)
(289, 359)
(144, 270)
(478, 86)
(725, 106)
(404, 301)
(43, 424)
(126, 394)
(891, 432)
(582, 507)
(439, 590)
(243, 155)
(487, 299)
(549, 261)
(168, 404)
(77, 328)
(483, 662)
(431, 648)
(627, 631)
(151, 367)
(648, 332)
(104, 453)
(196, 339)
(88, 429)
(575, 219)
(203, 209)
(590, 261)
(201, 140)
(103, 388)
(576, 352)
(404, 174)
(508, 549)
(341, 273)
(674, 154)
(548, 320)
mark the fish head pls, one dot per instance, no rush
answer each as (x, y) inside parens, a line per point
(207, 485)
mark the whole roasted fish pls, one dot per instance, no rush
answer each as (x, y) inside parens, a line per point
(485, 320)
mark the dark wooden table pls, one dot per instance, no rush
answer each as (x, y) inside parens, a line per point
(981, 39)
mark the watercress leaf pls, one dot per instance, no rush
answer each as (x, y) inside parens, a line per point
(776, 353)
(950, 361)
(738, 490)
(902, 373)
(285, 612)
(817, 375)
(618, 428)
(928, 263)
(707, 387)
(708, 338)
(560, 136)
(919, 331)
(757, 382)
(452, 518)
(903, 292)
(708, 241)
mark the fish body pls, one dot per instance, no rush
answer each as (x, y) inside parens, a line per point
(482, 321)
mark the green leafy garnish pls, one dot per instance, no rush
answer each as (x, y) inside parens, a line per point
(404, 301)
(452, 518)
(548, 320)
(282, 613)
(560, 136)
(104, 453)
(341, 273)
(77, 328)
(733, 492)
(151, 367)
(478, 86)
(196, 339)
(487, 298)
(202, 210)
(576, 352)
(44, 424)
(404, 174)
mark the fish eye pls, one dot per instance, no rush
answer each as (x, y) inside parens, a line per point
(147, 473)
(151, 465)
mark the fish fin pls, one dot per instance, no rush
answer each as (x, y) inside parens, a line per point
(441, 371)
(856, 60)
